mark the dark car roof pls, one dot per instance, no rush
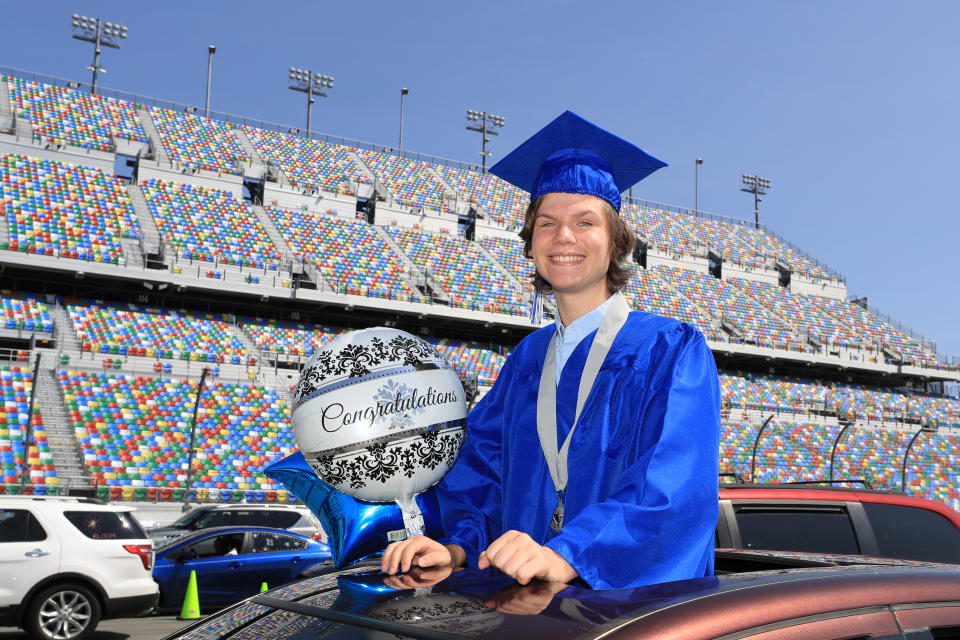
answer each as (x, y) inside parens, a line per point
(202, 533)
(790, 586)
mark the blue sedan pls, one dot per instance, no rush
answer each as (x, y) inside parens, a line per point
(232, 563)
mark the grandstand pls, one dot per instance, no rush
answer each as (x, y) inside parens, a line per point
(240, 248)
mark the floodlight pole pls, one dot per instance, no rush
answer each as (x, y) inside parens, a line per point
(28, 434)
(92, 30)
(96, 59)
(836, 442)
(756, 443)
(403, 92)
(696, 185)
(757, 186)
(193, 438)
(206, 105)
(304, 81)
(903, 466)
(486, 124)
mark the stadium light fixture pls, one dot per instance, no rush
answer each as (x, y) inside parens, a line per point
(696, 186)
(99, 32)
(486, 124)
(311, 83)
(758, 187)
(403, 92)
(206, 105)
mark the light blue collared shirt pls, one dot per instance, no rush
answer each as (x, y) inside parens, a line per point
(569, 337)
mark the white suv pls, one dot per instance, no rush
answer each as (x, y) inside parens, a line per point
(65, 563)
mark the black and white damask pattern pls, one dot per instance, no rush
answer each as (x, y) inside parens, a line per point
(356, 360)
(382, 461)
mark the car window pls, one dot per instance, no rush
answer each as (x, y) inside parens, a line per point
(264, 542)
(215, 546)
(214, 519)
(821, 530)
(19, 525)
(278, 519)
(106, 525)
(913, 533)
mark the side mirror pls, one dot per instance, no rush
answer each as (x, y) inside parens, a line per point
(186, 556)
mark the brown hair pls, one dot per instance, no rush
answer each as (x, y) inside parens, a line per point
(622, 242)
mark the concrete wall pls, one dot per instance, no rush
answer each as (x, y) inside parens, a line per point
(224, 182)
(826, 289)
(658, 258)
(70, 155)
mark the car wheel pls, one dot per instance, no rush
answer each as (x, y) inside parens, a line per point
(63, 612)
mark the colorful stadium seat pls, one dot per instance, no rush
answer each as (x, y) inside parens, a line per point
(57, 209)
(67, 116)
(350, 254)
(26, 312)
(198, 142)
(308, 163)
(467, 276)
(207, 224)
(15, 386)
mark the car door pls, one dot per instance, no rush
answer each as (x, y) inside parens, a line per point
(276, 558)
(221, 579)
(29, 552)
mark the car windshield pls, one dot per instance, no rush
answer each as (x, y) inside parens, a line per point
(184, 521)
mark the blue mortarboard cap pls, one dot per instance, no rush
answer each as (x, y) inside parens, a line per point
(573, 155)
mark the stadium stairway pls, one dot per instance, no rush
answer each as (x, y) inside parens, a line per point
(6, 112)
(66, 334)
(151, 234)
(251, 348)
(132, 256)
(371, 176)
(800, 330)
(23, 129)
(257, 164)
(156, 146)
(60, 436)
(424, 279)
(724, 325)
(286, 255)
(508, 275)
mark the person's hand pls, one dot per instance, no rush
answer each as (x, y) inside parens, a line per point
(418, 551)
(525, 600)
(517, 555)
(417, 578)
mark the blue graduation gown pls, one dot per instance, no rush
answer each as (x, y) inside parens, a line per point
(641, 502)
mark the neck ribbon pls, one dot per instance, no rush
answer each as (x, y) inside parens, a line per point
(613, 321)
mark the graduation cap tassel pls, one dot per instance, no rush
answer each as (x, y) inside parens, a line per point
(536, 308)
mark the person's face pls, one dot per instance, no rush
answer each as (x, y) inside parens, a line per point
(571, 244)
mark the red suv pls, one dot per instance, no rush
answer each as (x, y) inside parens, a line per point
(837, 520)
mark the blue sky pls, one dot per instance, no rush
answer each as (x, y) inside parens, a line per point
(850, 108)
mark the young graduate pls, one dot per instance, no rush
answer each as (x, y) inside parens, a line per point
(595, 454)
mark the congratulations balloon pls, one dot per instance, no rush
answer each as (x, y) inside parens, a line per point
(380, 415)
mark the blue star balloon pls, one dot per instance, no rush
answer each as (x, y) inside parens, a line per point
(355, 529)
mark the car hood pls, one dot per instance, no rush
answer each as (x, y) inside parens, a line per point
(487, 604)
